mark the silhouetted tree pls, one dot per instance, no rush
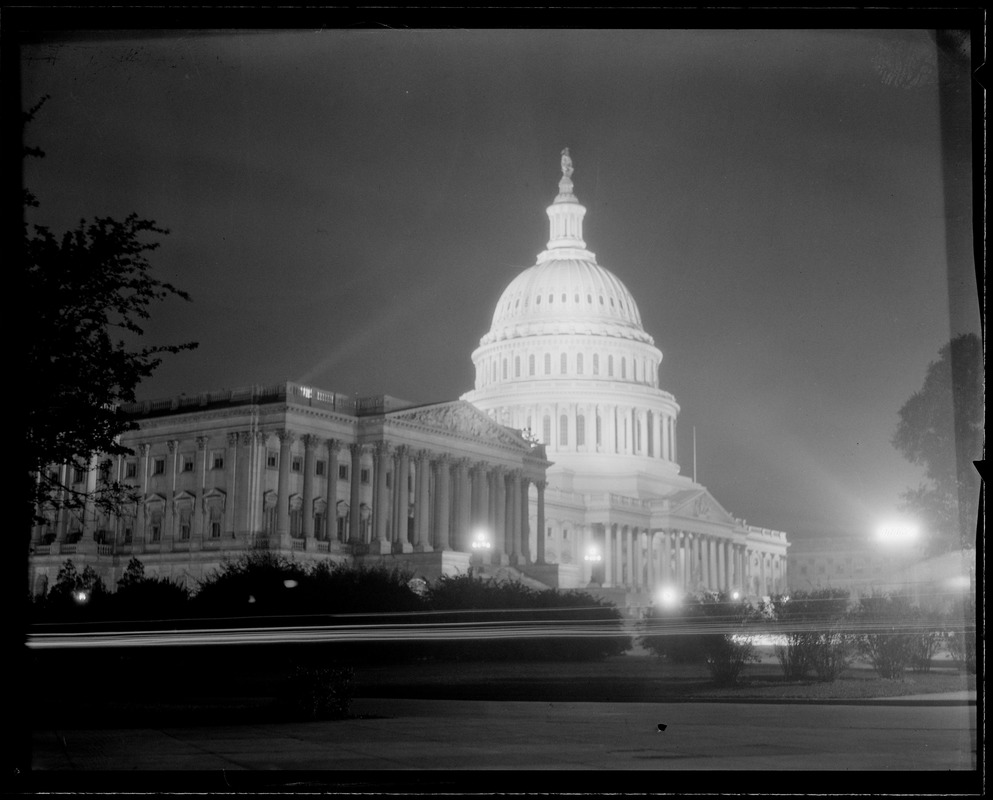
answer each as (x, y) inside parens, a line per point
(941, 429)
(86, 293)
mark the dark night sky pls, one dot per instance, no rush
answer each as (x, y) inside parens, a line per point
(346, 208)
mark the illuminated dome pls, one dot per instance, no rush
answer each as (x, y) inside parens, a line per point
(566, 291)
(567, 357)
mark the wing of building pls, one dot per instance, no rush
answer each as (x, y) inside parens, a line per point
(566, 373)
(567, 359)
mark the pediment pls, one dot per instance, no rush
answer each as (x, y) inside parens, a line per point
(461, 419)
(699, 504)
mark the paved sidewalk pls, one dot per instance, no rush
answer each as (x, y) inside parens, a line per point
(394, 734)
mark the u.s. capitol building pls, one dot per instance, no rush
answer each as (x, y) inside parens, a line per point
(559, 468)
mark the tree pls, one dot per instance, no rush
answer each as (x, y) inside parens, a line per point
(941, 429)
(87, 293)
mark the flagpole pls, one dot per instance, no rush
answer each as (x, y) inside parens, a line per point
(694, 454)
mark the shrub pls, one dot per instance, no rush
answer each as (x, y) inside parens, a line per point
(319, 692)
(806, 621)
(75, 595)
(141, 597)
(259, 583)
(551, 614)
(888, 636)
(712, 629)
(961, 640)
(928, 639)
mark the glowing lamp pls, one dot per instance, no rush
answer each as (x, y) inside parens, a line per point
(480, 541)
(593, 556)
(81, 596)
(897, 532)
(668, 598)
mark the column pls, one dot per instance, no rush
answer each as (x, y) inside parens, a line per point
(422, 533)
(380, 513)
(309, 447)
(629, 543)
(168, 517)
(500, 524)
(763, 586)
(651, 553)
(525, 520)
(331, 492)
(283, 491)
(665, 573)
(680, 561)
(139, 526)
(714, 571)
(608, 556)
(637, 581)
(400, 488)
(442, 502)
(484, 501)
(354, 496)
(514, 513)
(722, 584)
(196, 535)
(618, 555)
(540, 485)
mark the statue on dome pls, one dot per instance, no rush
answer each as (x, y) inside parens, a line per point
(566, 163)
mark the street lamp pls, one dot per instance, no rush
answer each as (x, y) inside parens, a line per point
(668, 597)
(593, 556)
(480, 541)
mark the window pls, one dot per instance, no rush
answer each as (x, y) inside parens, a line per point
(296, 464)
(389, 479)
(596, 364)
(517, 366)
(343, 472)
(158, 466)
(364, 475)
(156, 532)
(184, 530)
(803, 570)
(563, 430)
(580, 431)
(77, 475)
(188, 462)
(531, 364)
(131, 469)
(128, 535)
(563, 363)
(319, 467)
(624, 368)
(579, 364)
(272, 459)
(505, 369)
(215, 529)
(548, 363)
(546, 429)
(565, 536)
(599, 434)
(217, 460)
(53, 476)
(548, 535)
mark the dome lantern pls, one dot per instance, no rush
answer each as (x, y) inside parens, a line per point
(565, 215)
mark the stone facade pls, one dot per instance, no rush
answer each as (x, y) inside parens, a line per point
(308, 474)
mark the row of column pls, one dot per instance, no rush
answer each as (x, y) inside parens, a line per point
(640, 559)
(628, 430)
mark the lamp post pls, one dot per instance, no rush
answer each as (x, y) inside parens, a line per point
(593, 557)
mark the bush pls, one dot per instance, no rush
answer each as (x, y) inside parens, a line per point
(712, 630)
(890, 634)
(961, 640)
(74, 596)
(141, 597)
(319, 692)
(260, 584)
(549, 616)
(807, 622)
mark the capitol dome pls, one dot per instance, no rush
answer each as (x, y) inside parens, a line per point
(566, 357)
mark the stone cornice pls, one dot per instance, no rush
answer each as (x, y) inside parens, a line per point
(459, 420)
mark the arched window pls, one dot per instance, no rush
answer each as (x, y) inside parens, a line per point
(531, 364)
(546, 429)
(610, 366)
(579, 364)
(517, 366)
(624, 368)
(580, 430)
(650, 422)
(505, 369)
(563, 430)
(563, 363)
(596, 364)
(599, 431)
(634, 368)
(548, 363)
